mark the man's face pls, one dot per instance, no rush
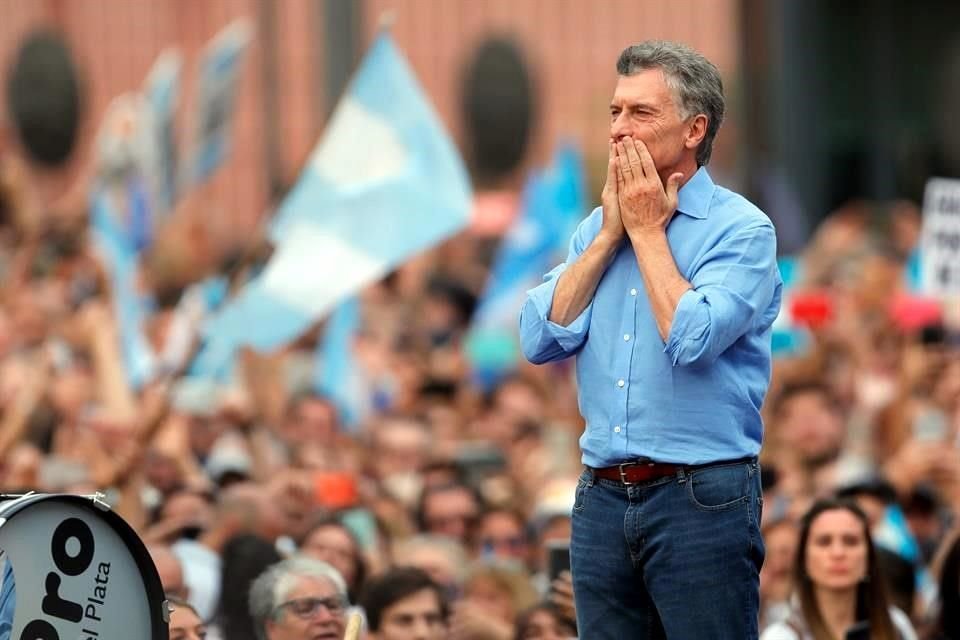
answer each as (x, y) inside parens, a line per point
(450, 513)
(643, 108)
(334, 546)
(312, 421)
(811, 427)
(401, 448)
(501, 536)
(416, 617)
(313, 610)
(171, 574)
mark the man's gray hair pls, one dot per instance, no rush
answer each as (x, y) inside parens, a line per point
(271, 587)
(694, 81)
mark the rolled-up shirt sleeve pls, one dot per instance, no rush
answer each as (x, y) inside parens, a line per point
(540, 339)
(733, 286)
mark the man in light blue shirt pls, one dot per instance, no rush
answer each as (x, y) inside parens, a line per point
(666, 299)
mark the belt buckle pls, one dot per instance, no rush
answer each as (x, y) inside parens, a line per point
(623, 472)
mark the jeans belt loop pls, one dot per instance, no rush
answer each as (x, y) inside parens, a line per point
(623, 473)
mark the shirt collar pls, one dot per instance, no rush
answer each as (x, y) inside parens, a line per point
(695, 196)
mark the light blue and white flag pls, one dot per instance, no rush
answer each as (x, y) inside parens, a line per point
(126, 155)
(119, 255)
(217, 88)
(336, 374)
(384, 183)
(552, 205)
(161, 88)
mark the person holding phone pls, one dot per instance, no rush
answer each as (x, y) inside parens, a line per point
(666, 300)
(839, 591)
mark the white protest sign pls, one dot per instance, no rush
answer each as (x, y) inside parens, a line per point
(940, 238)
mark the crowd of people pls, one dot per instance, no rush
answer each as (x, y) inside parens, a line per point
(272, 513)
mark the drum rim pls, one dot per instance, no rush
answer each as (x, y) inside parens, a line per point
(159, 616)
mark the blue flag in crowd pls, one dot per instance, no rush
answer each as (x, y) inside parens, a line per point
(893, 533)
(552, 205)
(788, 339)
(120, 255)
(913, 271)
(210, 363)
(141, 223)
(384, 183)
(219, 80)
(161, 90)
(336, 375)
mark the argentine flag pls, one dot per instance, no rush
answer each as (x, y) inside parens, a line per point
(552, 205)
(217, 88)
(162, 91)
(384, 183)
(120, 259)
(337, 375)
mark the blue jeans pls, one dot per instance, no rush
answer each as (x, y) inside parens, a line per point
(678, 557)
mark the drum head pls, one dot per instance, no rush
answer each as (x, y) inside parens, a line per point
(74, 569)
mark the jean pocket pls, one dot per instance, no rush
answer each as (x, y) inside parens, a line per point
(583, 483)
(719, 488)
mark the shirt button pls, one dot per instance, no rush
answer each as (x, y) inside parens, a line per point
(633, 292)
(626, 337)
(616, 429)
(620, 383)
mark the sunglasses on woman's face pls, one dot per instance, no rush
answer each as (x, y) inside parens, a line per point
(307, 608)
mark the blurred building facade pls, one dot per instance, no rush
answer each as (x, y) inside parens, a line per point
(829, 101)
(305, 49)
(850, 100)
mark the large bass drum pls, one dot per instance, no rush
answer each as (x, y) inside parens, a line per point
(72, 568)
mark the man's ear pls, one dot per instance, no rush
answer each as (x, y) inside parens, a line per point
(696, 131)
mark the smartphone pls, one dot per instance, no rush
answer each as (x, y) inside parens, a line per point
(859, 631)
(933, 335)
(558, 558)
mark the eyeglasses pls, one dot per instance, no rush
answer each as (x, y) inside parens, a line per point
(307, 608)
(512, 542)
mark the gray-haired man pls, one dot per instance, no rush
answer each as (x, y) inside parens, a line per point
(666, 301)
(299, 598)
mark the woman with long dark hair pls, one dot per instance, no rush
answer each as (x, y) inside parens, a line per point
(244, 558)
(839, 593)
(947, 625)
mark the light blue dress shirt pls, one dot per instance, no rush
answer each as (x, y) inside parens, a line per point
(696, 398)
